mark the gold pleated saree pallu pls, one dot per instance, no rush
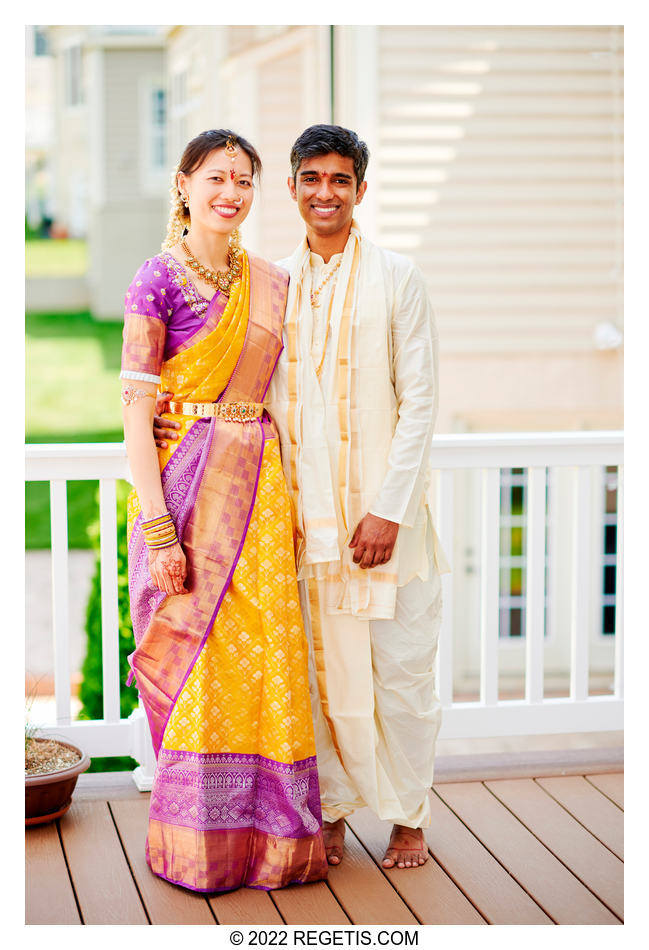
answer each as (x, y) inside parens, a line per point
(222, 671)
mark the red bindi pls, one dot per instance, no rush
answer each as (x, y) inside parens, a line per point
(232, 174)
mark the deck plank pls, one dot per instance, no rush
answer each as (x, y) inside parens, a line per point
(588, 859)
(590, 807)
(165, 903)
(363, 891)
(244, 907)
(100, 873)
(494, 892)
(610, 784)
(309, 904)
(427, 890)
(49, 897)
(553, 887)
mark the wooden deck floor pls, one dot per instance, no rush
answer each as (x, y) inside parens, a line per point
(539, 849)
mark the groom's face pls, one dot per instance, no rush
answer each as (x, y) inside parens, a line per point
(326, 193)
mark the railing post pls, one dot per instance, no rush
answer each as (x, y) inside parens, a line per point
(60, 598)
(109, 608)
(142, 750)
(535, 585)
(444, 526)
(619, 589)
(581, 553)
(489, 585)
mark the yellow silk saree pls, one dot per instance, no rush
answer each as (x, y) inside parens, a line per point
(222, 671)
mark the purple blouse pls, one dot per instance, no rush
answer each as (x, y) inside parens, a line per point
(161, 289)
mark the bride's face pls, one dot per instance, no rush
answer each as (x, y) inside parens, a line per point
(220, 191)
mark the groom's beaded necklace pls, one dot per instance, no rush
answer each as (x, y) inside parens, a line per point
(315, 294)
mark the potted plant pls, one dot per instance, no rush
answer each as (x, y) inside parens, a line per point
(52, 768)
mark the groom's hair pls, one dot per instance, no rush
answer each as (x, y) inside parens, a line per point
(322, 139)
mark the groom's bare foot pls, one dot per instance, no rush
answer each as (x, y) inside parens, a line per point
(407, 848)
(333, 833)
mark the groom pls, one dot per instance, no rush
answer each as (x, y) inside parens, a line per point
(354, 398)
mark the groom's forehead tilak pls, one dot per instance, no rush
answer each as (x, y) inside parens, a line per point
(327, 165)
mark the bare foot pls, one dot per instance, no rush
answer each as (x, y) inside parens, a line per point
(333, 833)
(407, 848)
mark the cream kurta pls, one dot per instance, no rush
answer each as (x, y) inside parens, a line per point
(354, 397)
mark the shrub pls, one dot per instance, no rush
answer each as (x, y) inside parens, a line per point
(91, 690)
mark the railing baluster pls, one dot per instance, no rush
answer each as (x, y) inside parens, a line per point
(109, 606)
(60, 600)
(619, 589)
(581, 562)
(489, 585)
(535, 585)
(444, 528)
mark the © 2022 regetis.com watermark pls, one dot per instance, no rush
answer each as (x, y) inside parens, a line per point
(326, 937)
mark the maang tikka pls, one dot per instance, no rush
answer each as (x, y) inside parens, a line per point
(231, 151)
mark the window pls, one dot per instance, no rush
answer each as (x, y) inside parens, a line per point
(513, 561)
(72, 79)
(41, 46)
(153, 149)
(158, 127)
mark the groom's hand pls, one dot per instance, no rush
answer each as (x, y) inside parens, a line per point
(374, 540)
(163, 429)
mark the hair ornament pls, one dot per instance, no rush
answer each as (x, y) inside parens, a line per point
(230, 148)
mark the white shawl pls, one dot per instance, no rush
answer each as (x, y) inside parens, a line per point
(358, 439)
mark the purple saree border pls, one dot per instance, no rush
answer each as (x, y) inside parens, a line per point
(216, 792)
(188, 462)
(227, 580)
(240, 758)
(230, 887)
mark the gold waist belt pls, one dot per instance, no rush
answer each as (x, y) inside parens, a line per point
(230, 411)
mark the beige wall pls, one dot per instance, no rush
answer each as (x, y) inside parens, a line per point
(497, 166)
(530, 391)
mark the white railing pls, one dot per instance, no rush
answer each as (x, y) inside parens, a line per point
(487, 716)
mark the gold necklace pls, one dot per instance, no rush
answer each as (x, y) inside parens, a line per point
(315, 294)
(220, 280)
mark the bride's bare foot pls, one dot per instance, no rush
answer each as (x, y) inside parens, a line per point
(333, 833)
(407, 848)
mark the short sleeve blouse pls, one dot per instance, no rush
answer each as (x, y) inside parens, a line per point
(161, 308)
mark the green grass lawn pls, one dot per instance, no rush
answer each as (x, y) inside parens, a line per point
(55, 258)
(72, 376)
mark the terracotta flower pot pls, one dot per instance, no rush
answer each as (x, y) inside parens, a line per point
(49, 795)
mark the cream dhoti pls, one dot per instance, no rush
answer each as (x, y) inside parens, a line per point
(354, 397)
(375, 707)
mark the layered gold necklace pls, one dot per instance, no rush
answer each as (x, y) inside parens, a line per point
(219, 279)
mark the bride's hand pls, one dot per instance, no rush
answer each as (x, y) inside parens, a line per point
(168, 567)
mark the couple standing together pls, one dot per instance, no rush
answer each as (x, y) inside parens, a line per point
(282, 491)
